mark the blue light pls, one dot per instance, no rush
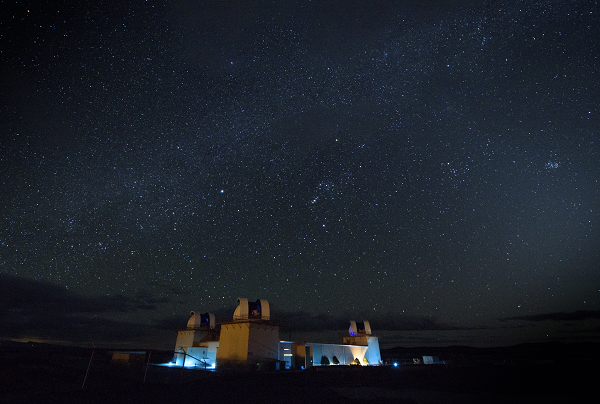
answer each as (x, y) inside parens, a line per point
(395, 364)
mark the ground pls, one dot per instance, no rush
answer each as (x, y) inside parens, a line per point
(56, 375)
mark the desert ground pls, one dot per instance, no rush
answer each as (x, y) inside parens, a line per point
(533, 373)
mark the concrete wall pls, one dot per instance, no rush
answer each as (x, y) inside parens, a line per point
(286, 354)
(263, 344)
(203, 356)
(185, 338)
(299, 352)
(346, 354)
(373, 354)
(233, 346)
(248, 345)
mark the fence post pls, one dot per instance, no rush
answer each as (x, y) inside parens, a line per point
(89, 364)
(147, 363)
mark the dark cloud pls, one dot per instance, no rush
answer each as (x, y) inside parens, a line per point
(179, 321)
(70, 329)
(303, 321)
(39, 309)
(25, 294)
(573, 316)
(172, 322)
(401, 322)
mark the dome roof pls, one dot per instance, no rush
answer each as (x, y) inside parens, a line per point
(258, 310)
(363, 328)
(206, 320)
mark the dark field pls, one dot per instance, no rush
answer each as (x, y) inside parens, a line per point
(538, 373)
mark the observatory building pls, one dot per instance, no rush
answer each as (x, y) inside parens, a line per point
(197, 344)
(251, 341)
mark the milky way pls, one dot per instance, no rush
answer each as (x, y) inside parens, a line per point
(430, 161)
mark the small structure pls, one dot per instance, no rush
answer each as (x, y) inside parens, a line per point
(432, 360)
(128, 358)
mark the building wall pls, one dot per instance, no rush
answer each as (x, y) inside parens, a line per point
(346, 354)
(373, 354)
(188, 339)
(233, 346)
(307, 354)
(371, 351)
(248, 344)
(300, 355)
(191, 337)
(185, 338)
(286, 354)
(356, 340)
(263, 344)
(204, 355)
(198, 357)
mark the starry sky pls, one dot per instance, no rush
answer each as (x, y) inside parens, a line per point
(429, 166)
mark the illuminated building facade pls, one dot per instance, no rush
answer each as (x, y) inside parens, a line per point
(360, 347)
(196, 346)
(251, 341)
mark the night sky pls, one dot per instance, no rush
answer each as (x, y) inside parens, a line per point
(430, 166)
